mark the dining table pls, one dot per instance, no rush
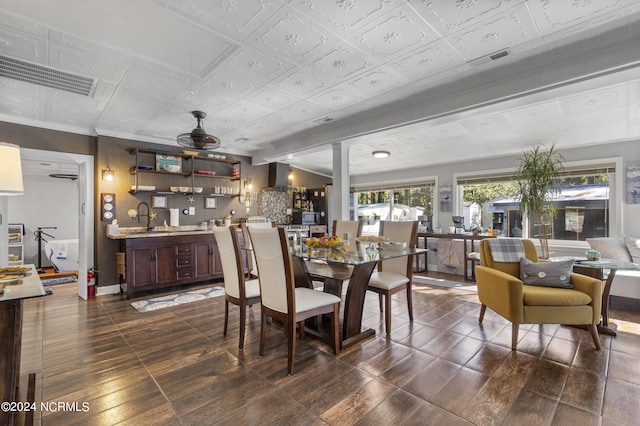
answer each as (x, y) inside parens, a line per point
(13, 292)
(336, 267)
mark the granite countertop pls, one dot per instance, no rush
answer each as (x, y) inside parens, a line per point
(159, 231)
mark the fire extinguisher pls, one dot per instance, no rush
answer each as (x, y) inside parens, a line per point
(91, 282)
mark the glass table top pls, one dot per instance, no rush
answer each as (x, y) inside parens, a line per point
(603, 263)
(355, 254)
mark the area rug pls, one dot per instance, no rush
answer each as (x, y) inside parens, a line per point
(177, 299)
(444, 283)
(61, 280)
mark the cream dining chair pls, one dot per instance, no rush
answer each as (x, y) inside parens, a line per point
(395, 275)
(351, 227)
(237, 291)
(251, 260)
(280, 299)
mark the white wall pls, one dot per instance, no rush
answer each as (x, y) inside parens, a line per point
(46, 202)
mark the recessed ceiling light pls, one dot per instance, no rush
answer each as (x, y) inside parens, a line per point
(381, 154)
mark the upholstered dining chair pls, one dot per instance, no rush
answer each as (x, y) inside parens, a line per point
(395, 275)
(280, 299)
(351, 227)
(237, 291)
(251, 260)
(514, 284)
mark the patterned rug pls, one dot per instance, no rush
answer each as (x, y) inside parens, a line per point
(61, 280)
(177, 299)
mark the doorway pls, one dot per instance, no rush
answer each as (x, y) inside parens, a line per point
(84, 206)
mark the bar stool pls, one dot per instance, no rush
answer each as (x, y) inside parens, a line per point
(474, 258)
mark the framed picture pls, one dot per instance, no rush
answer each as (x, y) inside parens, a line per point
(445, 198)
(174, 164)
(633, 185)
(210, 203)
(159, 201)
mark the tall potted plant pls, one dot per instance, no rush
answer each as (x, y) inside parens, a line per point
(538, 179)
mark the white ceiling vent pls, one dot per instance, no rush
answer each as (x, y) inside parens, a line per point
(489, 58)
(45, 76)
(323, 120)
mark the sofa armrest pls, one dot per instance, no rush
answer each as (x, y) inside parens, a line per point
(501, 292)
(592, 287)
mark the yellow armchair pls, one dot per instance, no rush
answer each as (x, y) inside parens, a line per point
(500, 288)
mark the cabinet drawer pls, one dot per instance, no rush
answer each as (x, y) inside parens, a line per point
(183, 273)
(183, 248)
(183, 261)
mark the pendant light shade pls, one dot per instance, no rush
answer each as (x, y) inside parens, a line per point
(10, 170)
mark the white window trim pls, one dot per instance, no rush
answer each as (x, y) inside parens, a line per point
(616, 195)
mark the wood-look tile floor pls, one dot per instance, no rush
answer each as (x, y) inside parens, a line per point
(173, 366)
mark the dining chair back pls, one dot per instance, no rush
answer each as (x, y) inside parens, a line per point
(280, 299)
(237, 291)
(351, 227)
(251, 260)
(395, 275)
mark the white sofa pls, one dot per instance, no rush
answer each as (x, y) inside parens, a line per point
(626, 283)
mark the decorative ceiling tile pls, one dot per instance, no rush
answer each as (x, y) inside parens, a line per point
(341, 63)
(486, 123)
(249, 111)
(595, 100)
(300, 83)
(22, 46)
(297, 113)
(393, 34)
(448, 17)
(599, 117)
(22, 106)
(375, 82)
(228, 85)
(543, 112)
(86, 64)
(552, 16)
(506, 30)
(21, 88)
(256, 65)
(428, 61)
(343, 16)
(292, 36)
(231, 16)
(338, 97)
(272, 98)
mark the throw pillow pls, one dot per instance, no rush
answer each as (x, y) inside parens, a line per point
(610, 248)
(546, 274)
(633, 244)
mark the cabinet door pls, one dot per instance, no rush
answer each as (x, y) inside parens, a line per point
(203, 257)
(163, 265)
(141, 267)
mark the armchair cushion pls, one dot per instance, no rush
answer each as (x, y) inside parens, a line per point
(546, 274)
(540, 296)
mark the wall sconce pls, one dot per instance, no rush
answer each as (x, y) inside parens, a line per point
(248, 185)
(10, 170)
(290, 177)
(108, 174)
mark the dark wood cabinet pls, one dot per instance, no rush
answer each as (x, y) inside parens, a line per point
(156, 262)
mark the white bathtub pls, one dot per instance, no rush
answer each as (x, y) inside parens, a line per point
(63, 254)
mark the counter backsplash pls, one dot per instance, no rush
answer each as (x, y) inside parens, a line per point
(274, 205)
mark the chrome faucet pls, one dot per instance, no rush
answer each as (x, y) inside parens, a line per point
(147, 215)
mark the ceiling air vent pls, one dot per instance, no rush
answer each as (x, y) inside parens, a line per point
(489, 58)
(45, 76)
(323, 120)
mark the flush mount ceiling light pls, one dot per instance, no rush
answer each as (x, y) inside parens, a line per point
(381, 154)
(198, 138)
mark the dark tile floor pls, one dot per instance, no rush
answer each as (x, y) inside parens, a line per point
(173, 366)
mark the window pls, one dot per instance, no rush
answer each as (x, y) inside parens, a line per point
(396, 203)
(582, 204)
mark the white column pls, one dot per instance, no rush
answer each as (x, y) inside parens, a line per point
(341, 182)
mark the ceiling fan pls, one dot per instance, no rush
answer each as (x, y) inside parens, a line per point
(198, 138)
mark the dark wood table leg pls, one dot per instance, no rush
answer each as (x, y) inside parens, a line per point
(604, 327)
(10, 350)
(354, 304)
